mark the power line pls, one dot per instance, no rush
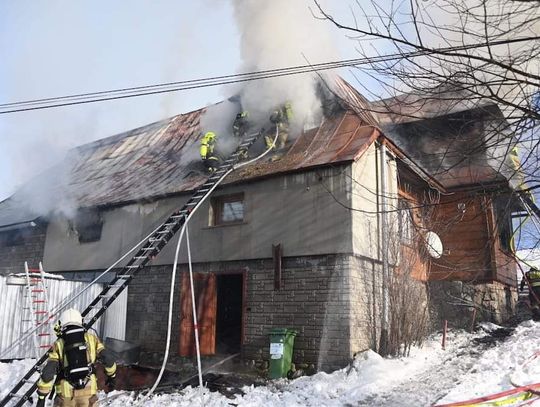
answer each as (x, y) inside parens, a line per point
(122, 93)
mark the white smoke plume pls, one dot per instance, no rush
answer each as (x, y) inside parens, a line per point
(277, 34)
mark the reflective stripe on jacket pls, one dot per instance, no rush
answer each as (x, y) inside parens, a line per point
(207, 145)
(534, 278)
(56, 355)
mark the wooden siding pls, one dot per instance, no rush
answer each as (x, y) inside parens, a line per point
(472, 250)
(412, 259)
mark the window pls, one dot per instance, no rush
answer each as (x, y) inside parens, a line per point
(12, 238)
(406, 226)
(227, 210)
(88, 224)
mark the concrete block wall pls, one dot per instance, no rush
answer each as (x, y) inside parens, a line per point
(315, 300)
(366, 303)
(12, 258)
(147, 310)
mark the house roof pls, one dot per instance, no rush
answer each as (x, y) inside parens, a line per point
(162, 158)
(461, 148)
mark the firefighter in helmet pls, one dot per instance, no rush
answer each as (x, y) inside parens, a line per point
(532, 278)
(281, 117)
(207, 151)
(241, 124)
(71, 360)
(240, 127)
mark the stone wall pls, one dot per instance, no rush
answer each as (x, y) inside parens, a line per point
(20, 245)
(322, 297)
(314, 300)
(366, 303)
(147, 309)
(456, 301)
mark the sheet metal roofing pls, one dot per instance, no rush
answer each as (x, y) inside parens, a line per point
(162, 158)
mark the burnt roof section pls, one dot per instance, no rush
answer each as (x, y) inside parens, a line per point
(162, 159)
(415, 106)
(463, 148)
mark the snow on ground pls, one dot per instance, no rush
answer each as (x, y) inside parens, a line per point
(465, 370)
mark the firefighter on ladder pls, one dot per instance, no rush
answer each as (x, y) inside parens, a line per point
(281, 117)
(208, 156)
(532, 278)
(240, 128)
(71, 359)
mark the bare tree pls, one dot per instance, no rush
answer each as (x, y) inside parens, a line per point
(455, 52)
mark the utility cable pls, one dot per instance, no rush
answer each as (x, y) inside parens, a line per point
(122, 93)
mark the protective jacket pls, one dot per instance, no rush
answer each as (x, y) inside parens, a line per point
(283, 115)
(533, 277)
(57, 362)
(207, 145)
(281, 118)
(241, 124)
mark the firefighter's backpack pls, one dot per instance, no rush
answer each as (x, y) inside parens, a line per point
(78, 368)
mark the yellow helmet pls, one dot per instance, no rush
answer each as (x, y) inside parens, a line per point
(210, 135)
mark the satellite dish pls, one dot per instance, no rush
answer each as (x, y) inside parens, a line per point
(434, 245)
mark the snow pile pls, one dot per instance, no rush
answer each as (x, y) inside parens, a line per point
(11, 373)
(511, 363)
(465, 370)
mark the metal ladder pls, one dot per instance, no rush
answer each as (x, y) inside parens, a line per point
(36, 308)
(149, 249)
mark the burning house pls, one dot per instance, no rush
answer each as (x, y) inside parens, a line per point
(300, 241)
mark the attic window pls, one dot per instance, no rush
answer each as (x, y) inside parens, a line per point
(227, 210)
(88, 224)
(12, 238)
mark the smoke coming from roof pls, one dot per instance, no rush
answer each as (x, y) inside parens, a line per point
(278, 34)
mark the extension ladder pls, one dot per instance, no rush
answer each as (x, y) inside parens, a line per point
(149, 249)
(36, 311)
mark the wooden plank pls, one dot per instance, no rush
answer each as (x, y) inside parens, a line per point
(206, 301)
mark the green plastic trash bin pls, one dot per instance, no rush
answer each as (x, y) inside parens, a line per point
(281, 351)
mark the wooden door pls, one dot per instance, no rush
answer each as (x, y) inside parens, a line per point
(206, 301)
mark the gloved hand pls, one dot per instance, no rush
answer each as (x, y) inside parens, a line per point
(41, 400)
(111, 382)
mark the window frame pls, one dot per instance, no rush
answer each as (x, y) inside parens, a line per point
(217, 209)
(88, 222)
(13, 238)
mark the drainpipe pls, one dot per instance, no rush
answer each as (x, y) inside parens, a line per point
(383, 343)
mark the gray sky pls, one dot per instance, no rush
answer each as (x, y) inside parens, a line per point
(55, 48)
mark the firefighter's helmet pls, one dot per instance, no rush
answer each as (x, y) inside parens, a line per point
(70, 317)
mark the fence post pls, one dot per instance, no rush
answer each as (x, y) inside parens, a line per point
(445, 328)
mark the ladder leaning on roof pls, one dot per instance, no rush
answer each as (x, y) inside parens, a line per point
(148, 250)
(36, 311)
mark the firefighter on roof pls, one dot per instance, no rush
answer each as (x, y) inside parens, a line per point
(240, 128)
(241, 124)
(532, 278)
(208, 155)
(71, 359)
(281, 117)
